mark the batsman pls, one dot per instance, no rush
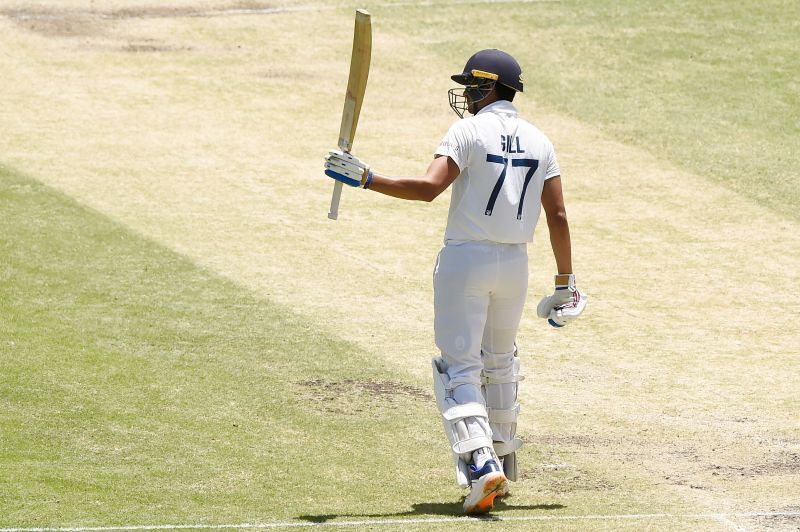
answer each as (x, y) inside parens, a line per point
(503, 171)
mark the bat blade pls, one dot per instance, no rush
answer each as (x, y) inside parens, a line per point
(356, 87)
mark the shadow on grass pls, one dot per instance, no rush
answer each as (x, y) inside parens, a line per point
(452, 509)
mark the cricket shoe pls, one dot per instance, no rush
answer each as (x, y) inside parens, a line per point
(489, 483)
(505, 491)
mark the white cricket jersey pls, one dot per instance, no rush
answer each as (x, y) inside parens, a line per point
(504, 162)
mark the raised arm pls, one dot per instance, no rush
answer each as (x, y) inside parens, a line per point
(352, 171)
(440, 174)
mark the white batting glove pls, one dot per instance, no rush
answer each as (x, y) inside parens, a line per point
(347, 168)
(565, 305)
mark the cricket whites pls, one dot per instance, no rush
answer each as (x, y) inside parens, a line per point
(356, 85)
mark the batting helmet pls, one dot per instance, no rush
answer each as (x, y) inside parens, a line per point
(494, 65)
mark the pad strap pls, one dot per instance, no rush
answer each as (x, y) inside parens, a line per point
(471, 444)
(494, 380)
(503, 448)
(498, 415)
(457, 413)
(462, 411)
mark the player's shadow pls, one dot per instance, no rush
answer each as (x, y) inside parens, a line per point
(434, 508)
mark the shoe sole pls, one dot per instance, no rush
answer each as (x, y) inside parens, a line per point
(493, 486)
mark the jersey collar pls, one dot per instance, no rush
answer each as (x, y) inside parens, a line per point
(500, 107)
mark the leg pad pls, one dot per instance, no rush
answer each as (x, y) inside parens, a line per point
(499, 386)
(454, 419)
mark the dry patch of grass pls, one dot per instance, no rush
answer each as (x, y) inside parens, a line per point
(351, 397)
(96, 25)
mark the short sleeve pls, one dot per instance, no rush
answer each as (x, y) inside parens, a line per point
(553, 169)
(456, 144)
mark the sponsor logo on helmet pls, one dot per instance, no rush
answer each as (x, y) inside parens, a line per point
(483, 74)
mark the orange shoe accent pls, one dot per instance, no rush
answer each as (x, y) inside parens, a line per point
(492, 487)
(485, 505)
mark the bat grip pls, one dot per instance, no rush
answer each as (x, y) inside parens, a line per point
(333, 212)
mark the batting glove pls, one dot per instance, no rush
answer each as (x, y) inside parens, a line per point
(347, 168)
(566, 303)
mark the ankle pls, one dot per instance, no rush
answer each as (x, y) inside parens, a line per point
(481, 456)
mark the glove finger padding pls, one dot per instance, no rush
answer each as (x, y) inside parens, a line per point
(344, 158)
(348, 177)
(345, 167)
(566, 303)
(563, 314)
(545, 306)
(562, 295)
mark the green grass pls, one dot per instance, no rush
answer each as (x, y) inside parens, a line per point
(137, 387)
(710, 87)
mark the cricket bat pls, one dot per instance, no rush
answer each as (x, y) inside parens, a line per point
(356, 85)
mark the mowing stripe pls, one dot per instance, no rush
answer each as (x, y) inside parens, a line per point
(721, 517)
(400, 3)
(237, 11)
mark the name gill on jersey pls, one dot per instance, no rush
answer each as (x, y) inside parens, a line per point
(504, 162)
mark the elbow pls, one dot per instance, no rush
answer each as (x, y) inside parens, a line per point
(557, 218)
(429, 193)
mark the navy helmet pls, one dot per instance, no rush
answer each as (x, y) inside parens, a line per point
(493, 65)
(481, 73)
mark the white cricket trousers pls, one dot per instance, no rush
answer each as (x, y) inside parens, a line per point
(479, 294)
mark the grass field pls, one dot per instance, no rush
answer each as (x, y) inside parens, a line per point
(187, 340)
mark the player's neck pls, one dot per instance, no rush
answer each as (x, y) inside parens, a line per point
(486, 102)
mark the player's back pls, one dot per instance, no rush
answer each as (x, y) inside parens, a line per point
(504, 162)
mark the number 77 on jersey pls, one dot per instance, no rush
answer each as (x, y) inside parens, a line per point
(356, 86)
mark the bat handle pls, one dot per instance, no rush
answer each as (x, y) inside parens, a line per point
(333, 213)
